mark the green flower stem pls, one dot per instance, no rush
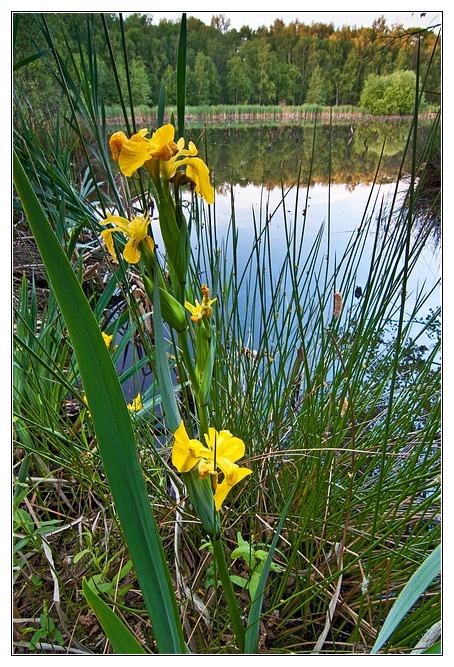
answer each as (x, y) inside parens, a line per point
(153, 169)
(229, 593)
(202, 410)
(203, 418)
(181, 291)
(184, 346)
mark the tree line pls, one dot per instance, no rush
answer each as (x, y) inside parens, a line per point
(281, 64)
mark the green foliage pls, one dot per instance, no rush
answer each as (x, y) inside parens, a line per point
(202, 81)
(143, 83)
(255, 560)
(104, 581)
(112, 423)
(318, 91)
(47, 631)
(283, 64)
(123, 642)
(393, 94)
(419, 582)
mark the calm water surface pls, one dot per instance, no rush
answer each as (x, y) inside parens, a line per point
(244, 159)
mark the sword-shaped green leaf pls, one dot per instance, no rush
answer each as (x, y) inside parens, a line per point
(111, 420)
(116, 632)
(418, 583)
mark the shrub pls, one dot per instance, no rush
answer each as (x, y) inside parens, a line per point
(391, 94)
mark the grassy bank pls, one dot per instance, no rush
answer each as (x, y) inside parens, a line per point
(254, 114)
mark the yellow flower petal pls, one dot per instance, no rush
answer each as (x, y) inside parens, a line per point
(222, 450)
(131, 252)
(162, 144)
(133, 155)
(108, 240)
(116, 143)
(190, 151)
(201, 310)
(134, 152)
(136, 404)
(135, 230)
(227, 483)
(107, 339)
(163, 135)
(150, 242)
(196, 311)
(225, 445)
(198, 172)
(116, 220)
(184, 450)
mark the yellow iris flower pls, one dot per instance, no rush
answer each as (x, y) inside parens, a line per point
(196, 170)
(132, 153)
(86, 405)
(136, 404)
(222, 451)
(201, 310)
(107, 339)
(135, 230)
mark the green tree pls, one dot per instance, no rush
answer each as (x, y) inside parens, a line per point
(142, 82)
(266, 71)
(287, 83)
(238, 81)
(287, 64)
(318, 90)
(302, 52)
(203, 83)
(253, 73)
(339, 45)
(170, 77)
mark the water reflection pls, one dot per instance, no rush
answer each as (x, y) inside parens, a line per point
(332, 213)
(335, 166)
(342, 154)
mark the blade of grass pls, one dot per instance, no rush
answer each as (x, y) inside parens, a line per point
(30, 59)
(162, 103)
(128, 77)
(181, 76)
(253, 625)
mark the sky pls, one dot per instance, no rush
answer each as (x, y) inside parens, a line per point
(255, 19)
(407, 16)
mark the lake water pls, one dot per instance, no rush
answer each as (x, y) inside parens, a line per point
(334, 193)
(345, 209)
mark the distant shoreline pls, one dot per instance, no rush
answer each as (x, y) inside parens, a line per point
(291, 116)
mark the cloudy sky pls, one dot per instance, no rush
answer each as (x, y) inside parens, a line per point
(254, 19)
